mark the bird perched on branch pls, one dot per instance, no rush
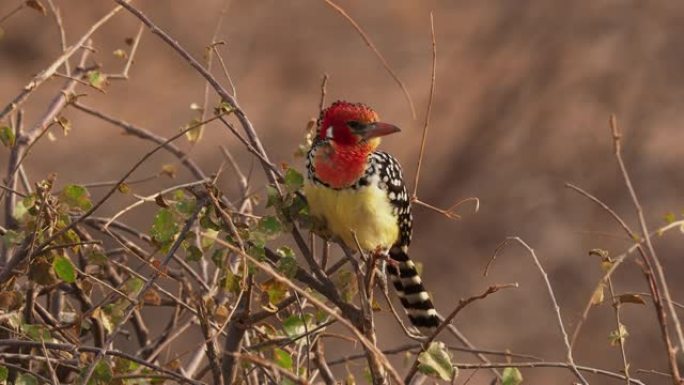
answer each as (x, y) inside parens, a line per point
(359, 195)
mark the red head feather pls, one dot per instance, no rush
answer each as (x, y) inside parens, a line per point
(352, 131)
(336, 118)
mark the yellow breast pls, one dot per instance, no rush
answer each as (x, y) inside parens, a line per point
(366, 212)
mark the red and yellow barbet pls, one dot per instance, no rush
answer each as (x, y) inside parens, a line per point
(359, 194)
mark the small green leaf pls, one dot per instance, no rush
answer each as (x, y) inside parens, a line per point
(207, 223)
(64, 269)
(223, 108)
(232, 282)
(282, 358)
(270, 225)
(119, 53)
(97, 79)
(287, 264)
(97, 257)
(436, 362)
(3, 373)
(294, 326)
(76, 196)
(670, 217)
(26, 379)
(103, 373)
(133, 286)
(184, 205)
(276, 290)
(164, 227)
(12, 238)
(36, 332)
(347, 284)
(7, 136)
(208, 238)
(273, 196)
(267, 228)
(511, 376)
(293, 180)
(194, 134)
(598, 296)
(618, 336)
(194, 253)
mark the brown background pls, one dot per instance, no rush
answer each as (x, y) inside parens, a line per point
(524, 92)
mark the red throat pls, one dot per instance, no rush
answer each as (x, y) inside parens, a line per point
(341, 166)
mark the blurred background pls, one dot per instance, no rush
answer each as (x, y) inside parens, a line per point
(523, 96)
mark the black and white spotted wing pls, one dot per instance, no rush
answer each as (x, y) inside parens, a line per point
(387, 170)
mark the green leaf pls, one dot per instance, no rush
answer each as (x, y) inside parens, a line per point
(436, 362)
(598, 296)
(97, 79)
(670, 217)
(276, 290)
(273, 196)
(207, 223)
(511, 376)
(208, 238)
(119, 53)
(618, 336)
(102, 373)
(287, 264)
(7, 136)
(347, 284)
(194, 254)
(12, 238)
(232, 282)
(36, 332)
(26, 379)
(3, 373)
(133, 286)
(223, 108)
(76, 196)
(97, 257)
(164, 227)
(294, 326)
(293, 180)
(267, 228)
(282, 358)
(184, 205)
(195, 134)
(64, 269)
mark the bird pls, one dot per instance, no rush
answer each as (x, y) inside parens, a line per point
(358, 195)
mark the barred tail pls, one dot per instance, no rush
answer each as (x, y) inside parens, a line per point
(415, 299)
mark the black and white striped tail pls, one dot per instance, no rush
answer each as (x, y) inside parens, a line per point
(415, 299)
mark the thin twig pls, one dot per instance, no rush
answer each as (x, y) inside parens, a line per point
(377, 53)
(47, 73)
(617, 144)
(423, 140)
(545, 364)
(554, 302)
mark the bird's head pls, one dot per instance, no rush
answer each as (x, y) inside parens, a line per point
(347, 124)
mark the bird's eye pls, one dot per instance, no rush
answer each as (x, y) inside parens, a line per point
(354, 125)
